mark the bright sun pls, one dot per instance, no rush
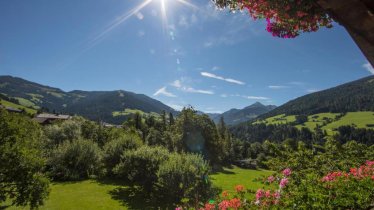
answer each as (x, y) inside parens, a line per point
(163, 7)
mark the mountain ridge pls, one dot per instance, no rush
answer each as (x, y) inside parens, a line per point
(95, 105)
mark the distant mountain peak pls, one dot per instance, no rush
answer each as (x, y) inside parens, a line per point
(235, 116)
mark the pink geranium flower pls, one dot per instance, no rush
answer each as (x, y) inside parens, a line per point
(283, 182)
(287, 172)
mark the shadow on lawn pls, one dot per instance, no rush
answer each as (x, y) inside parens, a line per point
(135, 198)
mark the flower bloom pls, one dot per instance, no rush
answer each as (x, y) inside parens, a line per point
(271, 179)
(283, 182)
(235, 203)
(268, 194)
(209, 206)
(276, 195)
(259, 194)
(225, 193)
(239, 188)
(225, 204)
(287, 172)
(178, 208)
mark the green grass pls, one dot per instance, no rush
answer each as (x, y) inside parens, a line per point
(27, 103)
(96, 195)
(230, 177)
(359, 119)
(13, 105)
(87, 194)
(278, 119)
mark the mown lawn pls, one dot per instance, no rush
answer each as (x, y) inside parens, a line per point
(230, 177)
(100, 195)
(87, 194)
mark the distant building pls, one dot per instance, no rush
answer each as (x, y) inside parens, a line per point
(46, 118)
(107, 125)
(11, 109)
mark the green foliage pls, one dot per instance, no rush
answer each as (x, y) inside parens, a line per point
(184, 177)
(140, 166)
(58, 133)
(200, 135)
(75, 160)
(115, 148)
(21, 161)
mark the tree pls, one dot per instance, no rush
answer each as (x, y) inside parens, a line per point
(290, 18)
(21, 161)
(171, 119)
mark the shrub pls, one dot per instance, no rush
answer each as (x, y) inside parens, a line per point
(140, 166)
(115, 148)
(21, 162)
(60, 132)
(75, 160)
(184, 177)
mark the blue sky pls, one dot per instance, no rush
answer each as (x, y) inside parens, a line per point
(192, 55)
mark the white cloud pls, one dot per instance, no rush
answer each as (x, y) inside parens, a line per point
(277, 87)
(164, 92)
(193, 90)
(178, 84)
(256, 97)
(176, 106)
(312, 90)
(140, 16)
(210, 75)
(368, 67)
(224, 95)
(215, 68)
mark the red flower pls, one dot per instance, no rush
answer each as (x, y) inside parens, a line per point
(225, 204)
(209, 206)
(239, 188)
(235, 203)
(225, 194)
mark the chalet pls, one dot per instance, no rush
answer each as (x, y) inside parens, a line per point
(46, 118)
(11, 109)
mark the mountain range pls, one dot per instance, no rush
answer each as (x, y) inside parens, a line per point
(109, 106)
(236, 116)
(349, 97)
(95, 105)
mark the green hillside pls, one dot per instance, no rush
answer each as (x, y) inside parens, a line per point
(350, 97)
(327, 121)
(108, 106)
(17, 106)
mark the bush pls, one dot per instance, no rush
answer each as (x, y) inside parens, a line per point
(115, 148)
(184, 177)
(75, 160)
(21, 161)
(60, 132)
(140, 166)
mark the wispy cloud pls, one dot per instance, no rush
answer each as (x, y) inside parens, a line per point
(257, 97)
(215, 68)
(312, 90)
(193, 90)
(178, 84)
(210, 75)
(176, 106)
(277, 87)
(164, 92)
(368, 67)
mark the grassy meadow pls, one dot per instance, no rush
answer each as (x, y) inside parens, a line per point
(328, 121)
(100, 195)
